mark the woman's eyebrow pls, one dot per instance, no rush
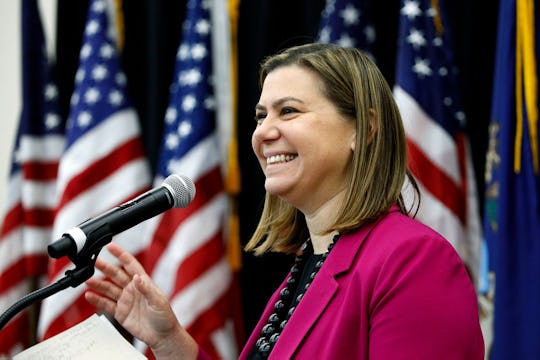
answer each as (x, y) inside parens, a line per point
(279, 102)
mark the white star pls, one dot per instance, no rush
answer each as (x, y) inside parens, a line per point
(99, 6)
(115, 97)
(91, 96)
(350, 15)
(74, 99)
(421, 67)
(410, 9)
(416, 39)
(86, 50)
(189, 103)
(324, 35)
(106, 51)
(198, 51)
(346, 41)
(172, 141)
(210, 103)
(437, 41)
(183, 52)
(51, 92)
(447, 101)
(460, 116)
(84, 119)
(99, 72)
(190, 77)
(443, 71)
(205, 4)
(184, 129)
(170, 115)
(370, 34)
(52, 120)
(202, 27)
(92, 27)
(120, 78)
(79, 76)
(431, 12)
(329, 8)
(17, 158)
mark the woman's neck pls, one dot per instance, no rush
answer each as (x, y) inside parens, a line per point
(319, 221)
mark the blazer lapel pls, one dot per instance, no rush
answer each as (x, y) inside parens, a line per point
(320, 293)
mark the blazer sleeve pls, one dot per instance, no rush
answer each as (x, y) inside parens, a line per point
(424, 305)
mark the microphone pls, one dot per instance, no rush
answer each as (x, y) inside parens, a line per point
(176, 191)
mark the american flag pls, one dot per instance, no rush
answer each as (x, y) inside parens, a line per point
(103, 164)
(347, 23)
(30, 197)
(427, 94)
(187, 252)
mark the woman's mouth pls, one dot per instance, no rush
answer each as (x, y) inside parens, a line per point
(282, 158)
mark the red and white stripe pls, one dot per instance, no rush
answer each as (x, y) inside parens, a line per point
(187, 256)
(103, 169)
(442, 166)
(26, 231)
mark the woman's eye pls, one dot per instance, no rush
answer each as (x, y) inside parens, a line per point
(288, 110)
(259, 117)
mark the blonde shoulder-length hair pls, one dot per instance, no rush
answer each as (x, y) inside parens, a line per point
(378, 169)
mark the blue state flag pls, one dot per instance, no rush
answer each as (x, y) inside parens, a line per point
(512, 218)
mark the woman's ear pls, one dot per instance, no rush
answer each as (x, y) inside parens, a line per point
(372, 124)
(353, 141)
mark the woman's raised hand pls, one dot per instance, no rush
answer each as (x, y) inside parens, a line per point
(136, 302)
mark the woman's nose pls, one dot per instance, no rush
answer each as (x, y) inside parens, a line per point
(266, 130)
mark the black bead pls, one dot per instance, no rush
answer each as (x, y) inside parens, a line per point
(282, 325)
(268, 329)
(265, 348)
(279, 306)
(290, 312)
(285, 293)
(260, 341)
(274, 319)
(274, 338)
(291, 281)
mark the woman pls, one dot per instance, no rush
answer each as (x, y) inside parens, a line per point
(369, 282)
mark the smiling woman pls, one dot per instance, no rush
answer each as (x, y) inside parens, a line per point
(369, 281)
(299, 139)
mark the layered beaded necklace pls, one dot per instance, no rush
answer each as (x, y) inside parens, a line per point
(285, 306)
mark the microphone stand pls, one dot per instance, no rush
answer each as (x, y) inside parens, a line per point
(84, 261)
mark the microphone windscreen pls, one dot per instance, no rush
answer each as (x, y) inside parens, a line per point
(183, 189)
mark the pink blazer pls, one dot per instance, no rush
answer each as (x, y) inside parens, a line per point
(392, 290)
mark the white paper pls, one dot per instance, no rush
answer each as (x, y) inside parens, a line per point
(93, 338)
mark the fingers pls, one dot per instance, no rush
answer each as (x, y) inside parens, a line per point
(116, 274)
(105, 288)
(128, 261)
(100, 302)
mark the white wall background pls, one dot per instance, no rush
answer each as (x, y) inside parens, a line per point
(11, 77)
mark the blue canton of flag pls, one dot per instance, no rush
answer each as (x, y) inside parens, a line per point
(103, 163)
(347, 23)
(30, 197)
(100, 84)
(439, 153)
(187, 254)
(190, 115)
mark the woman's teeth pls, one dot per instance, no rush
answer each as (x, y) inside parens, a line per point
(279, 159)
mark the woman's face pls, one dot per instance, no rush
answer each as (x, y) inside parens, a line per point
(303, 145)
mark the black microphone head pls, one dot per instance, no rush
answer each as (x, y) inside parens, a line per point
(182, 189)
